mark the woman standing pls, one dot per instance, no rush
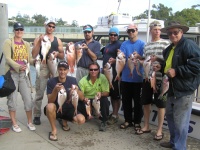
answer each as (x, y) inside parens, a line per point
(17, 53)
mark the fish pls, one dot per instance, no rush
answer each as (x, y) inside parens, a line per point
(131, 65)
(108, 72)
(71, 56)
(165, 86)
(74, 98)
(79, 52)
(27, 66)
(153, 82)
(147, 66)
(88, 109)
(46, 45)
(37, 65)
(96, 105)
(62, 96)
(120, 63)
(52, 64)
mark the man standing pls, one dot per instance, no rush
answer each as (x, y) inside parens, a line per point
(153, 49)
(131, 86)
(183, 69)
(109, 56)
(41, 81)
(95, 84)
(91, 49)
(66, 113)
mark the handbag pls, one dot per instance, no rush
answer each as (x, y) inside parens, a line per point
(5, 124)
(8, 85)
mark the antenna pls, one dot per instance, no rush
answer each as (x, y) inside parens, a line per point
(118, 5)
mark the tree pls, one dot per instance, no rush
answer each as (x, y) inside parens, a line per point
(60, 22)
(75, 23)
(39, 20)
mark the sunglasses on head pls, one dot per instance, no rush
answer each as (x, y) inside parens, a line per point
(131, 30)
(51, 26)
(94, 69)
(154, 25)
(113, 34)
(174, 33)
(87, 32)
(19, 29)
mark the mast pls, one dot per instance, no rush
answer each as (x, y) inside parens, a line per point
(118, 5)
(149, 10)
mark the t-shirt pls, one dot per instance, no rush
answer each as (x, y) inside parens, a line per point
(101, 85)
(19, 53)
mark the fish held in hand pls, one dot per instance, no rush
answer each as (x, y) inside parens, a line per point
(88, 109)
(74, 98)
(46, 45)
(165, 86)
(62, 96)
(37, 65)
(71, 56)
(27, 66)
(52, 64)
(96, 105)
(108, 72)
(79, 52)
(120, 63)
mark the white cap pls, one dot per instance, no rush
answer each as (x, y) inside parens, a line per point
(50, 21)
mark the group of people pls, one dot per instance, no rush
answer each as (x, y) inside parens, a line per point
(177, 58)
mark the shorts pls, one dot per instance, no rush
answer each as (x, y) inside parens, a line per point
(148, 97)
(115, 94)
(67, 112)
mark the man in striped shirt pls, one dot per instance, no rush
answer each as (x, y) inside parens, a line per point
(153, 50)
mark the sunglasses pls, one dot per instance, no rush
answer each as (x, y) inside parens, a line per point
(113, 34)
(85, 32)
(174, 33)
(131, 30)
(51, 26)
(154, 25)
(93, 69)
(19, 29)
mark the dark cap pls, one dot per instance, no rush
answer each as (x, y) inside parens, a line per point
(87, 28)
(18, 25)
(175, 24)
(63, 64)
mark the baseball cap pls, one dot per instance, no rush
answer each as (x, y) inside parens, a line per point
(87, 28)
(131, 26)
(115, 30)
(63, 64)
(18, 25)
(50, 21)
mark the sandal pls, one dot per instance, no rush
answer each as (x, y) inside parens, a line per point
(158, 137)
(125, 125)
(65, 128)
(140, 131)
(137, 127)
(53, 137)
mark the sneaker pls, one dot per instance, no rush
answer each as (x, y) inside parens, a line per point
(36, 121)
(16, 128)
(112, 120)
(166, 145)
(31, 126)
(102, 126)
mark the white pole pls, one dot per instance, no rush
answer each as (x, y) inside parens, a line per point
(3, 32)
(149, 10)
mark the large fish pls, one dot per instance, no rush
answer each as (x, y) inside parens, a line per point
(108, 73)
(120, 63)
(79, 52)
(37, 65)
(74, 98)
(96, 105)
(52, 64)
(147, 66)
(165, 86)
(71, 56)
(27, 66)
(131, 65)
(62, 96)
(88, 109)
(153, 82)
(46, 45)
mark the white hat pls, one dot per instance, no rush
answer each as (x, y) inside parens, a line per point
(50, 21)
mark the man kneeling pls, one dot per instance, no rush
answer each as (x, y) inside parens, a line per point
(67, 111)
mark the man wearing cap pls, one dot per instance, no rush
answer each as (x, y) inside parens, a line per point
(131, 86)
(41, 81)
(54, 85)
(154, 50)
(182, 66)
(91, 49)
(109, 55)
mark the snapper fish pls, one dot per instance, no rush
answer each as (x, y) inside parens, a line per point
(52, 64)
(62, 96)
(153, 82)
(147, 66)
(88, 109)
(71, 56)
(120, 63)
(37, 65)
(79, 52)
(46, 45)
(27, 66)
(96, 105)
(131, 65)
(74, 98)
(108, 73)
(165, 86)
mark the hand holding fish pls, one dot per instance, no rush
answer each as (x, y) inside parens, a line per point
(171, 73)
(58, 87)
(84, 46)
(112, 60)
(22, 68)
(55, 53)
(99, 94)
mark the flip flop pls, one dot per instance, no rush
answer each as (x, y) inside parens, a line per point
(53, 137)
(140, 131)
(65, 128)
(158, 137)
(137, 127)
(125, 125)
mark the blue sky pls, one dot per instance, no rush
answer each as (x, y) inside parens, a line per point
(88, 11)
